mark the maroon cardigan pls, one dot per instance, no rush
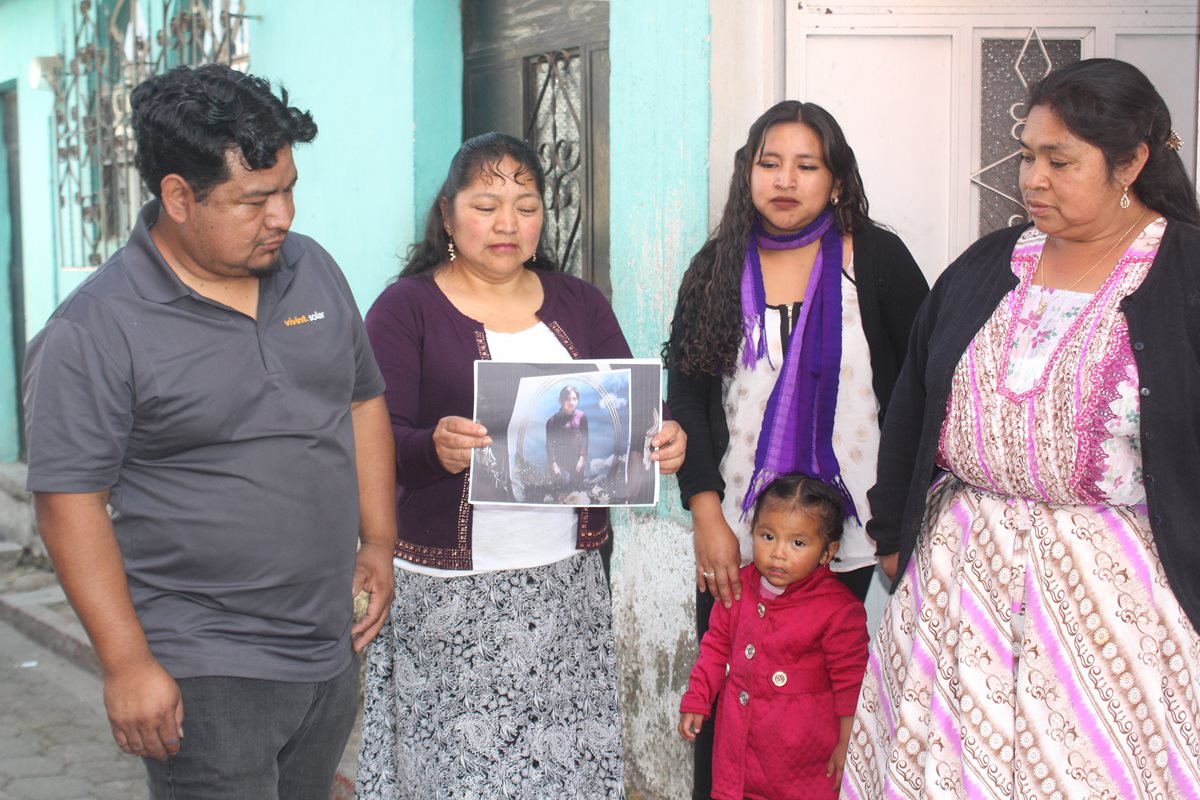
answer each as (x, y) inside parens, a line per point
(426, 349)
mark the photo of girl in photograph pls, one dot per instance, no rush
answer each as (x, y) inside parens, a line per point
(567, 442)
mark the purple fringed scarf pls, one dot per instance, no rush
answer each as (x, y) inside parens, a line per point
(797, 429)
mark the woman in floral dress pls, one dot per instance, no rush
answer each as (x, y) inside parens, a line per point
(1041, 640)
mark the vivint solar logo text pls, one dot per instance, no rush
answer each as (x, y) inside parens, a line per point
(303, 319)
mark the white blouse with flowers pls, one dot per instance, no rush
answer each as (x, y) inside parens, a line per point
(855, 428)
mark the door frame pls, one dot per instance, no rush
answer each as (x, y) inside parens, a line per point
(15, 278)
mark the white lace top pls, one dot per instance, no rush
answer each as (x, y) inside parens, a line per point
(517, 537)
(855, 429)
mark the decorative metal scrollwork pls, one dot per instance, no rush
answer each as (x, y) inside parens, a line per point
(556, 131)
(1009, 68)
(117, 44)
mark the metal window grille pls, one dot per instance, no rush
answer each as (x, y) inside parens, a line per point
(555, 128)
(115, 45)
(1009, 68)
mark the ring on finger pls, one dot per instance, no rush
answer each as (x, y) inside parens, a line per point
(709, 574)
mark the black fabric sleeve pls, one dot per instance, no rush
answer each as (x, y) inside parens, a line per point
(901, 438)
(961, 301)
(891, 288)
(689, 397)
(902, 289)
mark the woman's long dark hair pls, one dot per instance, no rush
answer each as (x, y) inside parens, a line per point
(706, 331)
(478, 156)
(1113, 106)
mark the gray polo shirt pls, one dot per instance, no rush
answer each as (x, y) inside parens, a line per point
(228, 448)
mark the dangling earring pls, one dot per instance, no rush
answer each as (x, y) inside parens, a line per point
(1124, 197)
(450, 249)
(534, 256)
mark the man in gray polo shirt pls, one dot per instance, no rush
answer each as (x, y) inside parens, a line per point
(212, 385)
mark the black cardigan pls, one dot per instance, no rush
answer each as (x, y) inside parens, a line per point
(890, 289)
(1163, 318)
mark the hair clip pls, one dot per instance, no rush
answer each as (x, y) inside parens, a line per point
(1174, 142)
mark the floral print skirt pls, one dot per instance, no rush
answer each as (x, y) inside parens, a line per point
(1030, 651)
(495, 685)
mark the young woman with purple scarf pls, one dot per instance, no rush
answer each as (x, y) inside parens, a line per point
(788, 335)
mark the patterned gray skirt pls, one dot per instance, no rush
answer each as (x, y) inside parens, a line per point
(498, 685)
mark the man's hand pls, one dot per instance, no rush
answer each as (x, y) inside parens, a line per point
(145, 710)
(143, 703)
(889, 564)
(373, 573)
(375, 462)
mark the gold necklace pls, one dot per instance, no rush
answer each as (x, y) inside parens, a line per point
(1041, 270)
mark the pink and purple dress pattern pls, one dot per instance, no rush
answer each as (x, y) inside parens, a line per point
(1033, 648)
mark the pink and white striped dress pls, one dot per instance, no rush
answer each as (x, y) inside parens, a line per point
(1033, 648)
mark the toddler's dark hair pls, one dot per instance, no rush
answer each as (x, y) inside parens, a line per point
(810, 494)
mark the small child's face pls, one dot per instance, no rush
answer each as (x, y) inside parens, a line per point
(788, 544)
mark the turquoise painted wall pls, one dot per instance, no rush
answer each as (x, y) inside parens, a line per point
(31, 28)
(384, 84)
(381, 83)
(28, 28)
(660, 115)
(437, 99)
(8, 361)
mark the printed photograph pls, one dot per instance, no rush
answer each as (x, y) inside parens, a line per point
(575, 433)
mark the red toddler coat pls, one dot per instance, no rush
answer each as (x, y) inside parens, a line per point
(786, 668)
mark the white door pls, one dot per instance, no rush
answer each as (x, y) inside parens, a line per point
(929, 93)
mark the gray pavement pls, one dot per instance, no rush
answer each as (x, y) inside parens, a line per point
(54, 738)
(55, 742)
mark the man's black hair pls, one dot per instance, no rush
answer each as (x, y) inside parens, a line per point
(187, 119)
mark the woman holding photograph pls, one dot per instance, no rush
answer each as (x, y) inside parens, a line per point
(567, 442)
(497, 673)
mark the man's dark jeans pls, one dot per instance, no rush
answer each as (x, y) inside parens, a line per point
(246, 739)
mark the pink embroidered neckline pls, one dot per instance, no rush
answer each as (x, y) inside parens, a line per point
(1023, 266)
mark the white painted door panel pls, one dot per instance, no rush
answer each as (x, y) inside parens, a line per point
(904, 79)
(894, 98)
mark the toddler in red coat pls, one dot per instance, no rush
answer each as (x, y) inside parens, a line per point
(787, 659)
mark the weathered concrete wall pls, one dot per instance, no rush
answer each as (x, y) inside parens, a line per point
(656, 643)
(16, 510)
(659, 138)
